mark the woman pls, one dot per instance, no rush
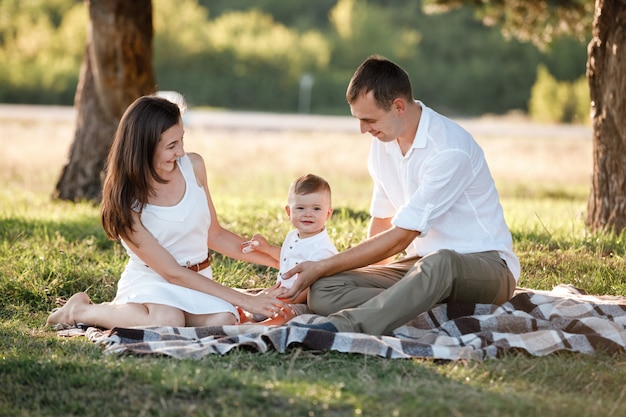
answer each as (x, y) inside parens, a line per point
(157, 203)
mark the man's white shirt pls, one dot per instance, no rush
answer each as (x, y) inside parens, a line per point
(442, 188)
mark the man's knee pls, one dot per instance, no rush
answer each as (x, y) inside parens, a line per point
(441, 260)
(322, 295)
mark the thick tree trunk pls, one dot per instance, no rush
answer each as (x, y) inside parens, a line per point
(606, 71)
(117, 69)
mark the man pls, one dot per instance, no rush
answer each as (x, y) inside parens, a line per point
(433, 197)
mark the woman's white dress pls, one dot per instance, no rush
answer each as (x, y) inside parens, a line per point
(183, 231)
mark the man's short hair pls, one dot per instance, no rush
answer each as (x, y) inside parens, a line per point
(387, 80)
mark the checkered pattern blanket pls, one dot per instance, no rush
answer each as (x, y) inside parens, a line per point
(535, 322)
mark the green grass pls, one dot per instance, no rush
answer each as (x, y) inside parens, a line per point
(51, 249)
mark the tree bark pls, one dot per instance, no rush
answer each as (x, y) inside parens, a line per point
(606, 72)
(116, 70)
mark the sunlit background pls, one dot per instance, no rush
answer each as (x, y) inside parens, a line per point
(298, 55)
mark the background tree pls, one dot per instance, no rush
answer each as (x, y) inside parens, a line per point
(540, 22)
(116, 69)
(606, 70)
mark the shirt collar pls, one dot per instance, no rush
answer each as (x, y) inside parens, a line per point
(421, 138)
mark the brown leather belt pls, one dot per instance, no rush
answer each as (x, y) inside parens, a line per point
(202, 265)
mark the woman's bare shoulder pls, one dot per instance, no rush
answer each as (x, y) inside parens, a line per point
(195, 158)
(197, 162)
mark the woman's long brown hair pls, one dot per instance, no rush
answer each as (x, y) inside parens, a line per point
(130, 166)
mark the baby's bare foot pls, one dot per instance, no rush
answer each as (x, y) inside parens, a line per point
(66, 314)
(279, 320)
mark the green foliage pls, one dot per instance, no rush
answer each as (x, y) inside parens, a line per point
(566, 58)
(43, 41)
(540, 22)
(471, 75)
(581, 106)
(236, 59)
(556, 101)
(239, 55)
(373, 26)
(301, 14)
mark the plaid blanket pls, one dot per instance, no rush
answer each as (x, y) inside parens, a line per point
(535, 322)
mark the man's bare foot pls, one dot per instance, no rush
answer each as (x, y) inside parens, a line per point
(66, 314)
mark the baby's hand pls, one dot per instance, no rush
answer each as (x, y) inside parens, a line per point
(258, 243)
(275, 290)
(249, 246)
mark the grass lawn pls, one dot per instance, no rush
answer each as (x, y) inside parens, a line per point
(51, 249)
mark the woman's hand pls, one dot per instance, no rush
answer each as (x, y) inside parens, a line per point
(267, 303)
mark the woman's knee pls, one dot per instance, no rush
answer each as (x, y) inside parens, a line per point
(166, 316)
(223, 319)
(208, 320)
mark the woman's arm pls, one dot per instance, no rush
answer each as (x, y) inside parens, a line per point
(221, 239)
(146, 247)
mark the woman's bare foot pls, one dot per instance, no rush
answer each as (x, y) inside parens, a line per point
(66, 314)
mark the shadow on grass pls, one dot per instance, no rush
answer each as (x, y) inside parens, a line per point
(72, 377)
(14, 230)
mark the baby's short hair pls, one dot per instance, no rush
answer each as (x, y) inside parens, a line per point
(309, 183)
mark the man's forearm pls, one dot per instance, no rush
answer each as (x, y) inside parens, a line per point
(375, 249)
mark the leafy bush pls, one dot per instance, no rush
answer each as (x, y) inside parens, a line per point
(43, 43)
(556, 101)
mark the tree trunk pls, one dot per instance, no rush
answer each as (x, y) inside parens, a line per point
(116, 69)
(606, 71)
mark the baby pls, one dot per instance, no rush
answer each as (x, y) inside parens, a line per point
(308, 207)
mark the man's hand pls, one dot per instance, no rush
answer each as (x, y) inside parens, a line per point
(308, 273)
(376, 248)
